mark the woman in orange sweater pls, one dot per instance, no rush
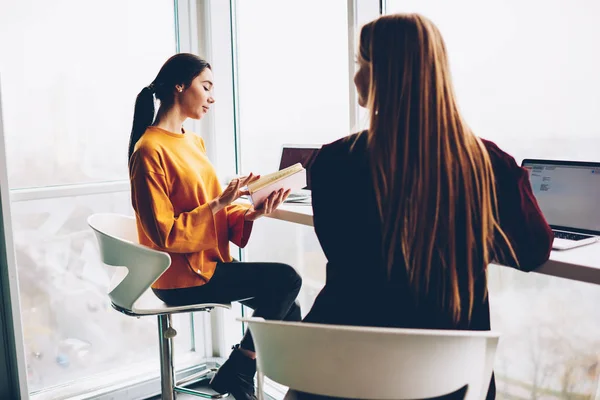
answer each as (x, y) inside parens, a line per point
(181, 209)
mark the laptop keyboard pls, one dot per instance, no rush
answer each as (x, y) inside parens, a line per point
(570, 236)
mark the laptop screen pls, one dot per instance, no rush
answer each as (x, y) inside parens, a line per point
(568, 193)
(303, 155)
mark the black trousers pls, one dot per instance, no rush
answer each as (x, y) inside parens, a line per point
(270, 289)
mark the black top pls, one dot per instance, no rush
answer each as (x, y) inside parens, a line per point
(347, 225)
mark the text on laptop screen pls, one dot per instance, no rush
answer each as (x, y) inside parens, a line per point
(568, 195)
(302, 155)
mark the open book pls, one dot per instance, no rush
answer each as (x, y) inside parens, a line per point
(293, 177)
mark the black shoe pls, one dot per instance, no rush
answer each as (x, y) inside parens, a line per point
(236, 376)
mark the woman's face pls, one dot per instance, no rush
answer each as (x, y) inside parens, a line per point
(195, 100)
(362, 81)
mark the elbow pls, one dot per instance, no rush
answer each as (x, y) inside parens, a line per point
(161, 242)
(537, 253)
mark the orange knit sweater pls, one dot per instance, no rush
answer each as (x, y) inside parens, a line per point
(172, 182)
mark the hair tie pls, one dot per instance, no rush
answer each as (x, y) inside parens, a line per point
(150, 87)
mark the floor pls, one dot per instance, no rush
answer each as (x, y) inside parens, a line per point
(204, 387)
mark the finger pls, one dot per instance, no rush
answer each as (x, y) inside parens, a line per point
(233, 184)
(270, 208)
(277, 200)
(237, 187)
(265, 206)
(254, 178)
(246, 179)
(274, 202)
(286, 194)
(233, 192)
(244, 192)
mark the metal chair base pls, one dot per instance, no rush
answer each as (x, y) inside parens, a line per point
(169, 387)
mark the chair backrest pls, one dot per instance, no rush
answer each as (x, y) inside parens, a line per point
(373, 363)
(119, 246)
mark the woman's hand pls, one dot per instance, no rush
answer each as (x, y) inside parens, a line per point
(268, 206)
(232, 192)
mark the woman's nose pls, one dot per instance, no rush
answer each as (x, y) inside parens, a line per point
(211, 99)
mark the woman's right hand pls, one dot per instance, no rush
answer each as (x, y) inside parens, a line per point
(232, 192)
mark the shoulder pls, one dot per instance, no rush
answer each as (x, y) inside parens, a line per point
(148, 146)
(342, 151)
(502, 162)
(496, 152)
(347, 145)
(148, 154)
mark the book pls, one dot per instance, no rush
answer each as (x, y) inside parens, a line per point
(292, 177)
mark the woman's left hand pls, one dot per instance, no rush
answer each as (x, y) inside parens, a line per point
(268, 206)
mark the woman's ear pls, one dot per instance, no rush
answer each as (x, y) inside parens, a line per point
(179, 88)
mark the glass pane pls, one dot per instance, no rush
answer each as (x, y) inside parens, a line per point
(550, 330)
(70, 83)
(525, 72)
(70, 328)
(297, 245)
(293, 89)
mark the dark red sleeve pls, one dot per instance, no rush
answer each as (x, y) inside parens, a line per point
(520, 216)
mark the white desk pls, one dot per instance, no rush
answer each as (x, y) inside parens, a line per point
(579, 264)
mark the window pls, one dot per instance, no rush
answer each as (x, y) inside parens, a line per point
(293, 89)
(70, 82)
(524, 72)
(525, 75)
(70, 74)
(70, 328)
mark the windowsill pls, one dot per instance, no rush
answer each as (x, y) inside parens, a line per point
(143, 379)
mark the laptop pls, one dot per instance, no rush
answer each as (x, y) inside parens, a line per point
(305, 155)
(568, 193)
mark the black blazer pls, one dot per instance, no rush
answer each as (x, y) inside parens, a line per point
(347, 225)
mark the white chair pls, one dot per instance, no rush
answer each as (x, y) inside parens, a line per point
(119, 247)
(372, 363)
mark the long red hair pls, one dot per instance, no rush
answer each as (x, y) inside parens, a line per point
(433, 177)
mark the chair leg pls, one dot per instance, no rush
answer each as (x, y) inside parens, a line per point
(167, 377)
(260, 385)
(169, 387)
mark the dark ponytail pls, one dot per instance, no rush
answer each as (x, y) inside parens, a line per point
(180, 69)
(143, 116)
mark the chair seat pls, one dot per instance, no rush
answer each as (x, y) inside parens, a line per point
(149, 304)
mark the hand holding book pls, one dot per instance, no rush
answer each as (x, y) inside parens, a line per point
(269, 205)
(287, 179)
(232, 192)
(266, 192)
